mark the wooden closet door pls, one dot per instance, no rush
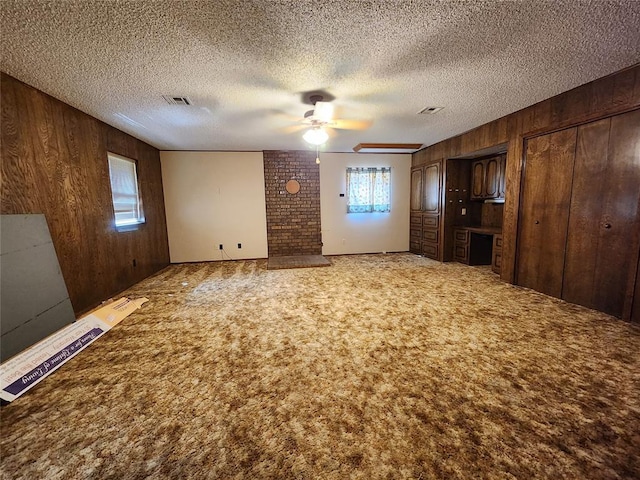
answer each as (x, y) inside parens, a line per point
(604, 218)
(431, 189)
(544, 211)
(416, 189)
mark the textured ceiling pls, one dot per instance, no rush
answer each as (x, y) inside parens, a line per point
(245, 64)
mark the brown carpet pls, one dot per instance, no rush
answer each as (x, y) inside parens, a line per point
(381, 367)
(297, 261)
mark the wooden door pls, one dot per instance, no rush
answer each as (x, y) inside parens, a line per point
(544, 211)
(416, 189)
(604, 218)
(431, 189)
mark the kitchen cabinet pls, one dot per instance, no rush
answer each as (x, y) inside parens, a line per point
(487, 178)
(579, 214)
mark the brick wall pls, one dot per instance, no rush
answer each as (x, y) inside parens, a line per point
(293, 221)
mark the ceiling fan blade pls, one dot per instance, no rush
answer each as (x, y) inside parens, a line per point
(351, 124)
(294, 128)
(282, 116)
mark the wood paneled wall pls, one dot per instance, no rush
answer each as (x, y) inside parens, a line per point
(616, 93)
(54, 161)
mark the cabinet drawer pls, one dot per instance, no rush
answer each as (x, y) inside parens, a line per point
(496, 264)
(414, 247)
(430, 221)
(461, 236)
(430, 250)
(461, 253)
(430, 235)
(497, 242)
(415, 220)
(414, 232)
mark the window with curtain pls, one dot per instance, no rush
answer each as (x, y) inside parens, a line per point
(124, 191)
(368, 190)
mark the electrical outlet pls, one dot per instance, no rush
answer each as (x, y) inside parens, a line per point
(220, 247)
(239, 245)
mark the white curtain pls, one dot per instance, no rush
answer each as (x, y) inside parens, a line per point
(368, 190)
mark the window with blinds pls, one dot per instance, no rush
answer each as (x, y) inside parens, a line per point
(368, 190)
(124, 191)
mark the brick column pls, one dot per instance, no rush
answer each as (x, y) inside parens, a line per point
(293, 221)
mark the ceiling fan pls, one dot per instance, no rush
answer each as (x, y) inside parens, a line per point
(320, 121)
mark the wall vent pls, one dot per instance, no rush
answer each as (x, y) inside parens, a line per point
(430, 110)
(175, 100)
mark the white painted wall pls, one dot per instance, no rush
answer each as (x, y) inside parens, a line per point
(344, 233)
(214, 198)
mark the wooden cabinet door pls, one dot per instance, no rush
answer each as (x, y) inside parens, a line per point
(544, 211)
(492, 178)
(431, 189)
(477, 180)
(604, 215)
(503, 176)
(416, 189)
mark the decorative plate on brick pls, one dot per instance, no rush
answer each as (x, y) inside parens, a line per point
(293, 187)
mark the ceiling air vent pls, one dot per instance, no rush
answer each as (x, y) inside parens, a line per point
(430, 110)
(173, 100)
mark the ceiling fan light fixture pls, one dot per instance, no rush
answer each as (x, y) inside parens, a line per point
(316, 136)
(323, 112)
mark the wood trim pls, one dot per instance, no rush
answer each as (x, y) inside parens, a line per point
(387, 146)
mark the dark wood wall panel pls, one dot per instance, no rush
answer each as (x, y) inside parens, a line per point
(601, 98)
(54, 161)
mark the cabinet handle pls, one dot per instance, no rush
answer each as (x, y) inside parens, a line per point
(537, 222)
(607, 225)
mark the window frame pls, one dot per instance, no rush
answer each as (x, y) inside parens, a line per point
(377, 169)
(139, 210)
